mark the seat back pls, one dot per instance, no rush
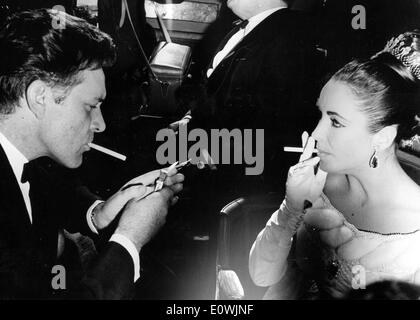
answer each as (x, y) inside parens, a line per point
(239, 224)
(410, 164)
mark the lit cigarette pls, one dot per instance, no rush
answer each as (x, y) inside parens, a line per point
(296, 149)
(108, 152)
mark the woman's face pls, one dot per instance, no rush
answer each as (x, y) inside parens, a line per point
(343, 139)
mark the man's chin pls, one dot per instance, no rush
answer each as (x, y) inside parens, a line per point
(70, 163)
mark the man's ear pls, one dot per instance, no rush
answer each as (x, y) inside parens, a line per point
(37, 96)
(385, 137)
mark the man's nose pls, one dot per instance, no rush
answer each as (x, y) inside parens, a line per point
(98, 122)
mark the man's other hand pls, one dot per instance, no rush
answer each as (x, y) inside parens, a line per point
(105, 213)
(141, 219)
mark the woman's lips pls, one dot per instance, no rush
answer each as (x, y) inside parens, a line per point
(322, 153)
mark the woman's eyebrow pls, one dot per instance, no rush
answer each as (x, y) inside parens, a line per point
(332, 113)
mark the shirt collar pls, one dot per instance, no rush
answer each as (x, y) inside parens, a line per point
(258, 18)
(16, 159)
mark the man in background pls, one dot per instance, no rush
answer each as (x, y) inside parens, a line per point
(262, 76)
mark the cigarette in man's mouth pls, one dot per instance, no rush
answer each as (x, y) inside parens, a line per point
(296, 149)
(107, 151)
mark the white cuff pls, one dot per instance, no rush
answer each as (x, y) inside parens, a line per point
(89, 216)
(131, 248)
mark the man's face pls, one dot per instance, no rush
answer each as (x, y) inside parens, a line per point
(244, 9)
(67, 128)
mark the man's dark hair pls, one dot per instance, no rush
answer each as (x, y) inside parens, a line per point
(51, 46)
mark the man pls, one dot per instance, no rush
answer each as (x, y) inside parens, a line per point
(261, 76)
(51, 89)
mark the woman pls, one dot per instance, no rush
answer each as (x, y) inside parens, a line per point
(355, 219)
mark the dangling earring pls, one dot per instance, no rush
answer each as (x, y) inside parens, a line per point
(373, 161)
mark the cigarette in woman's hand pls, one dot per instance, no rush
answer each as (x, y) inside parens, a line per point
(108, 151)
(296, 149)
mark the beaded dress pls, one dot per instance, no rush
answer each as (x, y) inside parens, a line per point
(365, 257)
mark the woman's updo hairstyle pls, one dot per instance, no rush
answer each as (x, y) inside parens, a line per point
(388, 85)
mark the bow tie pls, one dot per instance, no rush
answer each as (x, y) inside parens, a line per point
(29, 172)
(240, 24)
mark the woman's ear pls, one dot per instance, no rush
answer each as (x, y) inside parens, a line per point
(385, 137)
(37, 97)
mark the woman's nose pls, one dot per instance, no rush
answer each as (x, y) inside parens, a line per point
(316, 134)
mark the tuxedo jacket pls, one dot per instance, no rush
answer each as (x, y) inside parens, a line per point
(268, 81)
(28, 251)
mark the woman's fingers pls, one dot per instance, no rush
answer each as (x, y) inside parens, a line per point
(301, 167)
(308, 150)
(305, 136)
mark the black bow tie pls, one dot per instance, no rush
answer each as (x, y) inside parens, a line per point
(240, 24)
(29, 172)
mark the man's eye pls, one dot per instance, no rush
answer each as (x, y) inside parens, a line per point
(336, 124)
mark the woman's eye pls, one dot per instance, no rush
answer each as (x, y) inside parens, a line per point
(336, 124)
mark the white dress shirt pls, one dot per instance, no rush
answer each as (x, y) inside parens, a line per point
(238, 36)
(17, 160)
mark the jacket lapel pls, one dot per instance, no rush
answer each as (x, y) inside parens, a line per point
(12, 203)
(260, 34)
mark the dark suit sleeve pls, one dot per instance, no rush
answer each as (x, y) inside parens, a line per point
(283, 98)
(78, 200)
(269, 83)
(110, 277)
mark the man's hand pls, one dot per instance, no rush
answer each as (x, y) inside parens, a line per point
(141, 219)
(183, 122)
(105, 213)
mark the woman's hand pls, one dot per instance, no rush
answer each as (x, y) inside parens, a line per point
(302, 181)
